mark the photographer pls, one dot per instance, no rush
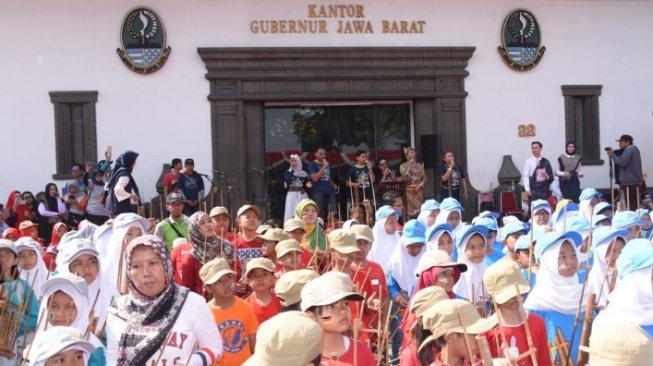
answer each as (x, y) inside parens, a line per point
(629, 171)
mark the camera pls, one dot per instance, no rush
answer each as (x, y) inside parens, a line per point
(607, 148)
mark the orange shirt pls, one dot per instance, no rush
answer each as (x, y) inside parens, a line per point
(235, 324)
(264, 312)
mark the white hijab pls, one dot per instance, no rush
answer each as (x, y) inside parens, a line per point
(384, 244)
(432, 242)
(553, 292)
(403, 265)
(442, 219)
(298, 172)
(595, 281)
(632, 299)
(39, 274)
(470, 286)
(81, 304)
(113, 252)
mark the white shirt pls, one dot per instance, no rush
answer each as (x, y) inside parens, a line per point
(529, 169)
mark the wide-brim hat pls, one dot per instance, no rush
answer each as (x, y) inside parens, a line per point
(328, 289)
(26, 224)
(262, 263)
(219, 210)
(245, 208)
(343, 241)
(437, 258)
(286, 246)
(289, 286)
(55, 340)
(214, 269)
(362, 232)
(425, 298)
(618, 344)
(294, 224)
(505, 281)
(274, 234)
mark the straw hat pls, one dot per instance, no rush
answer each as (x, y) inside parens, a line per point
(214, 269)
(328, 289)
(504, 281)
(619, 344)
(290, 285)
(343, 241)
(423, 299)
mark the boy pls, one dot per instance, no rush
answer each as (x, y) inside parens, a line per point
(270, 240)
(289, 254)
(234, 317)
(222, 221)
(505, 284)
(260, 278)
(290, 285)
(247, 244)
(60, 346)
(343, 248)
(296, 228)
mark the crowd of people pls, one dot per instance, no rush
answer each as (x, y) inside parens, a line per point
(86, 280)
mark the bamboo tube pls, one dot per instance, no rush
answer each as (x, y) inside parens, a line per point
(529, 338)
(470, 355)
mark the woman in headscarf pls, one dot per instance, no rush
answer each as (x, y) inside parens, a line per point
(30, 261)
(51, 211)
(314, 237)
(206, 245)
(95, 210)
(450, 213)
(157, 311)
(14, 210)
(58, 231)
(413, 174)
(295, 180)
(386, 236)
(123, 193)
(568, 172)
(429, 212)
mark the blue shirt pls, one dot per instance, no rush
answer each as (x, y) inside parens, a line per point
(555, 321)
(190, 185)
(497, 253)
(324, 184)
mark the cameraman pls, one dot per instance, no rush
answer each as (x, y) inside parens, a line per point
(630, 176)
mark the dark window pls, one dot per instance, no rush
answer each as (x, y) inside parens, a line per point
(74, 129)
(582, 120)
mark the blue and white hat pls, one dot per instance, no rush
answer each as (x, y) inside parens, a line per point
(567, 210)
(538, 205)
(385, 211)
(524, 242)
(414, 232)
(512, 228)
(430, 205)
(580, 225)
(437, 229)
(548, 240)
(589, 193)
(467, 231)
(489, 222)
(606, 234)
(602, 206)
(643, 212)
(598, 218)
(626, 219)
(638, 254)
(451, 204)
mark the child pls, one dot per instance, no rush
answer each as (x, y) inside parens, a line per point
(296, 181)
(632, 298)
(270, 240)
(11, 234)
(450, 213)
(628, 220)
(60, 346)
(525, 260)
(452, 324)
(247, 244)
(326, 299)
(470, 244)
(289, 287)
(343, 248)
(386, 237)
(509, 234)
(647, 224)
(30, 262)
(557, 293)
(222, 221)
(633, 347)
(494, 248)
(429, 212)
(295, 228)
(76, 200)
(16, 293)
(234, 317)
(438, 237)
(505, 283)
(66, 303)
(292, 338)
(289, 256)
(607, 244)
(79, 257)
(260, 278)
(541, 216)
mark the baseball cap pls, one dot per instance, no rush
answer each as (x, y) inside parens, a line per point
(626, 138)
(174, 197)
(589, 193)
(602, 206)
(274, 234)
(511, 228)
(290, 284)
(362, 232)
(626, 219)
(448, 316)
(8, 244)
(26, 224)
(68, 281)
(538, 205)
(244, 208)
(425, 298)
(619, 344)
(327, 289)
(435, 229)
(504, 281)
(55, 340)
(430, 205)
(189, 161)
(598, 218)
(290, 338)
(549, 239)
(219, 210)
(293, 224)
(214, 269)
(414, 232)
(343, 241)
(437, 258)
(263, 263)
(606, 234)
(467, 231)
(451, 204)
(286, 246)
(489, 222)
(385, 211)
(262, 229)
(75, 248)
(524, 242)
(636, 255)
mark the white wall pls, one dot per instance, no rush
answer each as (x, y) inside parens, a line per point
(70, 45)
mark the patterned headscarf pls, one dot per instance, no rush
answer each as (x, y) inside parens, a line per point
(149, 318)
(209, 247)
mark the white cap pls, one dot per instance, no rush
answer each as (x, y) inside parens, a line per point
(55, 340)
(328, 289)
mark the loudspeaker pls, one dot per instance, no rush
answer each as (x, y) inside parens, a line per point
(429, 147)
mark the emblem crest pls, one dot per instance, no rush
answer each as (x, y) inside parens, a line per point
(143, 41)
(521, 40)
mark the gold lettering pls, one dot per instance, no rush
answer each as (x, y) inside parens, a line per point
(323, 26)
(311, 11)
(336, 11)
(403, 26)
(287, 26)
(359, 11)
(355, 26)
(253, 26)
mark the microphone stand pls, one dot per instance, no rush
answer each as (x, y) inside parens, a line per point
(611, 180)
(229, 188)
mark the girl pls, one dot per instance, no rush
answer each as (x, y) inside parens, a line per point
(385, 235)
(607, 245)
(450, 213)
(295, 180)
(541, 216)
(438, 237)
(632, 298)
(494, 248)
(452, 325)
(66, 303)
(95, 210)
(470, 245)
(429, 211)
(52, 209)
(14, 210)
(30, 261)
(558, 293)
(58, 231)
(588, 198)
(16, 293)
(452, 178)
(79, 257)
(647, 226)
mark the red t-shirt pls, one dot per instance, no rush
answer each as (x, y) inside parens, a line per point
(170, 181)
(245, 251)
(517, 342)
(266, 312)
(368, 280)
(363, 354)
(187, 269)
